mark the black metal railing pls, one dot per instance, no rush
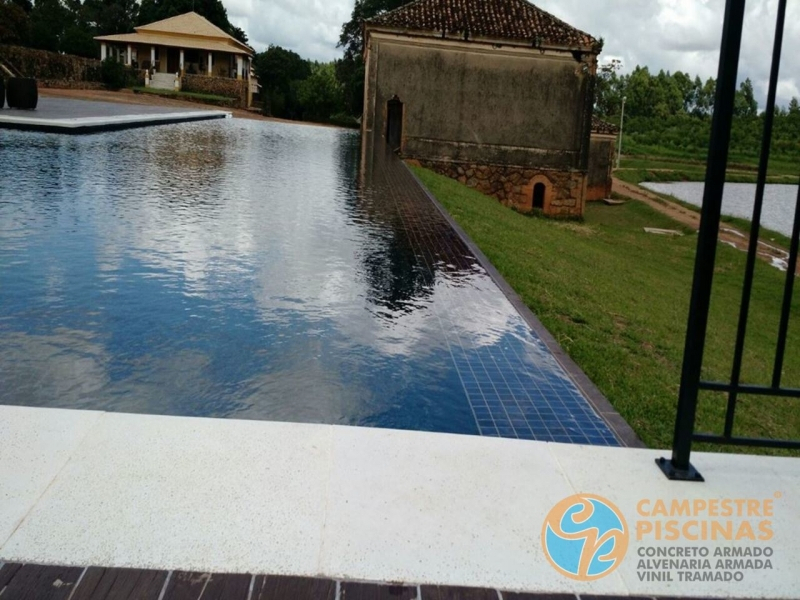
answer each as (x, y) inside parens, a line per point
(679, 466)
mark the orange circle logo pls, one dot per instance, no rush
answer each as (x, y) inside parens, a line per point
(585, 537)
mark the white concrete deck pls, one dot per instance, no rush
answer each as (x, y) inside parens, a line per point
(90, 488)
(87, 124)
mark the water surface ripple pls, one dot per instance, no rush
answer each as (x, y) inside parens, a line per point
(245, 269)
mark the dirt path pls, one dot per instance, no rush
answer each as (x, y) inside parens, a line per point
(728, 234)
(129, 97)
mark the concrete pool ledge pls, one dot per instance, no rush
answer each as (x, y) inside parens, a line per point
(119, 490)
(83, 125)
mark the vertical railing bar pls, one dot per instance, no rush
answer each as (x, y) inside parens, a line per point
(708, 235)
(788, 293)
(752, 251)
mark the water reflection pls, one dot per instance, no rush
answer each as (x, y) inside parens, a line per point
(246, 269)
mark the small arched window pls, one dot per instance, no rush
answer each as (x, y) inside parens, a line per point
(538, 195)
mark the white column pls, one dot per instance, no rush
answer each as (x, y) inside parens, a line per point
(152, 57)
(239, 66)
(129, 57)
(103, 51)
(181, 61)
(210, 63)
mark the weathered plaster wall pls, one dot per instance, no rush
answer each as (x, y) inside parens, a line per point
(601, 162)
(469, 104)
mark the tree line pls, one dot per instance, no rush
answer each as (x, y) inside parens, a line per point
(69, 26)
(670, 113)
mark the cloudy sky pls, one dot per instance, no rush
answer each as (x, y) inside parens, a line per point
(662, 34)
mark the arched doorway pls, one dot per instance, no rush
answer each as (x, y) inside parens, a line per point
(539, 191)
(394, 123)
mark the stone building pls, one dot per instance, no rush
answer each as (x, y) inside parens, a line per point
(601, 159)
(495, 93)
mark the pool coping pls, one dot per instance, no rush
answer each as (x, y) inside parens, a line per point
(87, 125)
(618, 425)
(350, 503)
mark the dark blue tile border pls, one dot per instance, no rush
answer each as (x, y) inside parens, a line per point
(622, 431)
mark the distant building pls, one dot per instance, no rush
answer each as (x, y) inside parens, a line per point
(495, 93)
(187, 44)
(601, 159)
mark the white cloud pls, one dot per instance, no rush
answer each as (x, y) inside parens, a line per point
(667, 34)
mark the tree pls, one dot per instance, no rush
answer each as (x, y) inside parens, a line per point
(350, 69)
(49, 20)
(688, 88)
(745, 104)
(609, 89)
(14, 23)
(794, 107)
(277, 68)
(321, 94)
(111, 16)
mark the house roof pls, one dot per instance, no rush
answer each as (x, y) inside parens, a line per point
(603, 127)
(495, 19)
(188, 30)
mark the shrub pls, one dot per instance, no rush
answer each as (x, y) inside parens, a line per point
(114, 74)
(22, 93)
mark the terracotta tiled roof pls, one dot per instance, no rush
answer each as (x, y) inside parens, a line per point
(496, 19)
(603, 127)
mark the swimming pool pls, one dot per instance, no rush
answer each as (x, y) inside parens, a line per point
(245, 269)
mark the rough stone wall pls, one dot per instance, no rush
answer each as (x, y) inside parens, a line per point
(601, 159)
(216, 86)
(53, 69)
(513, 185)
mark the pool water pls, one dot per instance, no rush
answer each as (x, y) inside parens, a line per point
(245, 269)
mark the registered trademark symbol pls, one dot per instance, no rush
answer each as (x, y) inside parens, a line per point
(778, 495)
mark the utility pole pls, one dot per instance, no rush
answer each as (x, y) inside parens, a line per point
(621, 123)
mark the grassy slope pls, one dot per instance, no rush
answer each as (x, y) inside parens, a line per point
(617, 298)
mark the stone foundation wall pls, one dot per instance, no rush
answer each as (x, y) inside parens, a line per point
(52, 69)
(217, 86)
(514, 186)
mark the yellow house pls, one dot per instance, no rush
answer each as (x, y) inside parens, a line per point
(181, 46)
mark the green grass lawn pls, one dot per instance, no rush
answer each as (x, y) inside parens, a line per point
(617, 300)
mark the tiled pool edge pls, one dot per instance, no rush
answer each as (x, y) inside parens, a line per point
(624, 432)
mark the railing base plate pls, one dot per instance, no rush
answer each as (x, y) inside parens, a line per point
(690, 474)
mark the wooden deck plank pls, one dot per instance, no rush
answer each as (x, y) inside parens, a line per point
(442, 592)
(7, 572)
(186, 585)
(228, 587)
(120, 584)
(275, 587)
(373, 591)
(36, 582)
